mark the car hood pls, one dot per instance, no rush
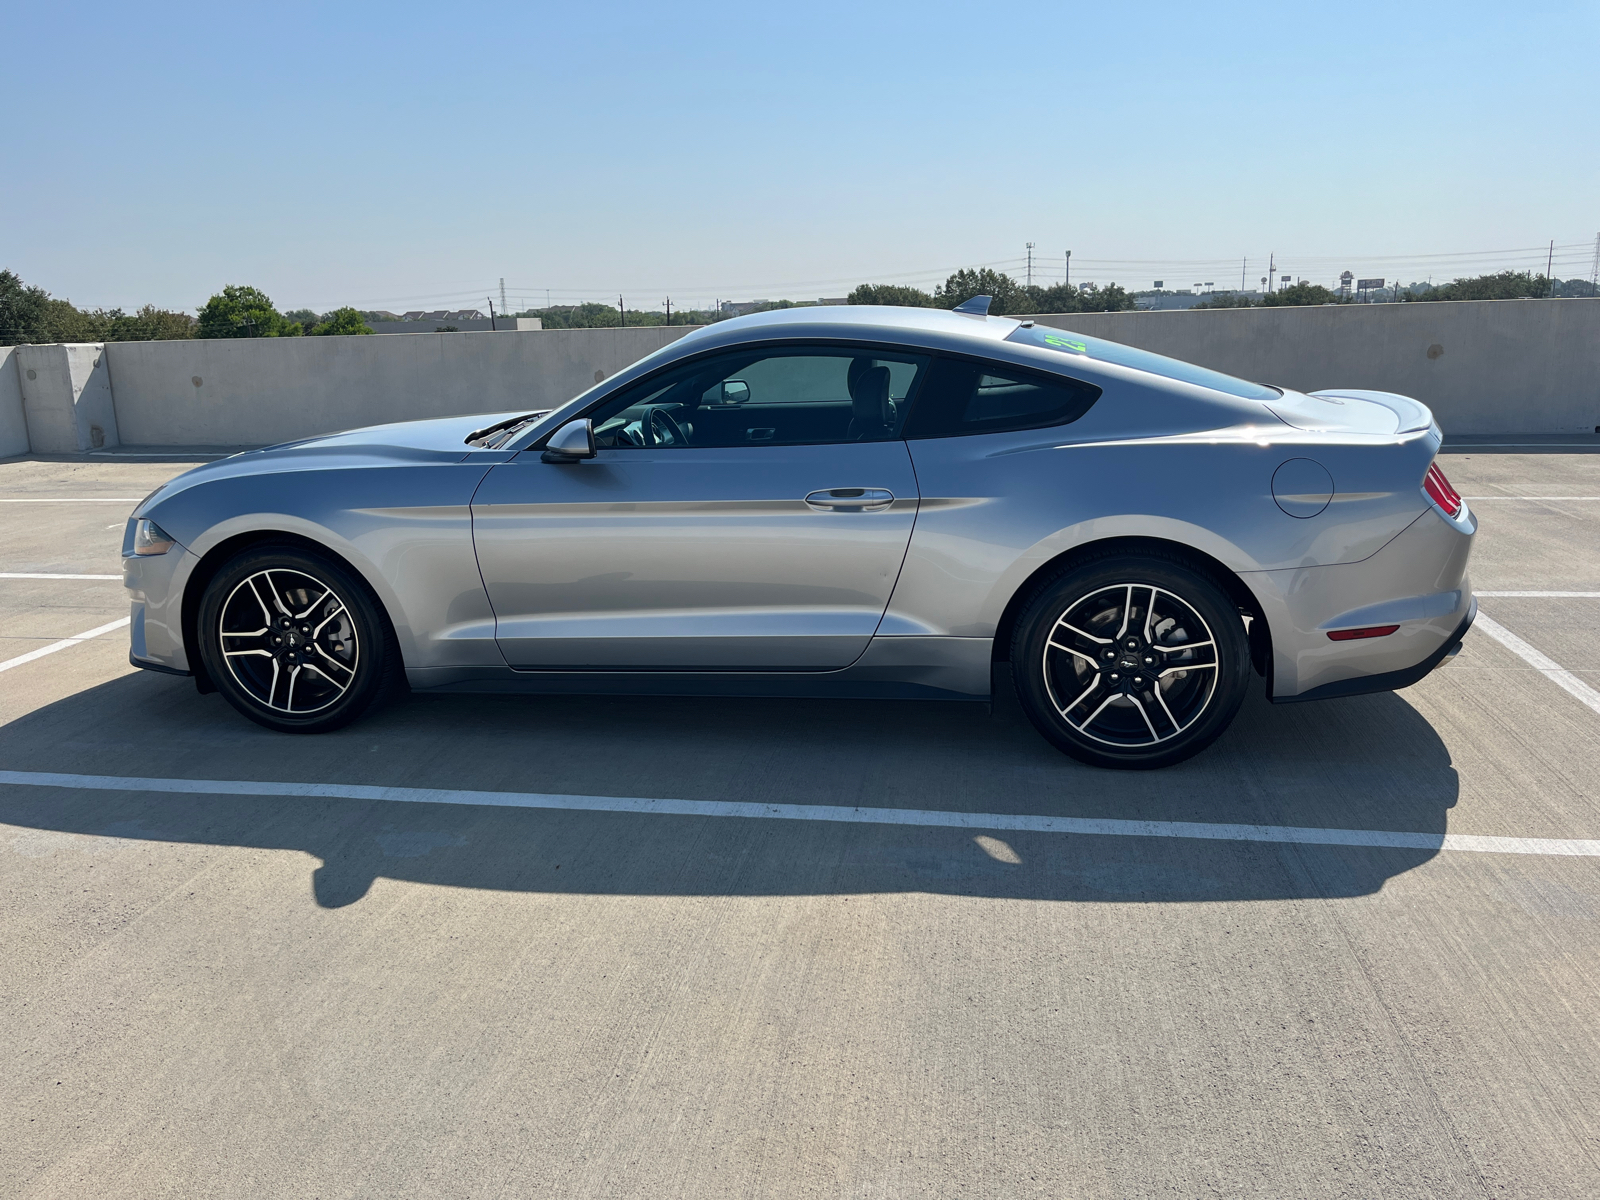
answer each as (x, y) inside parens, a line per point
(438, 440)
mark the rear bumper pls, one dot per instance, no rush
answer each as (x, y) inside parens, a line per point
(1391, 681)
(1417, 582)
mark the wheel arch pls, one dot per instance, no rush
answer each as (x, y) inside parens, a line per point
(219, 555)
(1238, 591)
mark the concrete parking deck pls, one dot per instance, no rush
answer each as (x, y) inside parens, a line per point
(572, 992)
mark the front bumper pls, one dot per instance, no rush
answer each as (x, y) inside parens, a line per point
(155, 595)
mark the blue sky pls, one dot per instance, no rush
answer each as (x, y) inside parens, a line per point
(409, 156)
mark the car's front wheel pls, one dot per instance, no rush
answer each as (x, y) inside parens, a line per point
(1131, 662)
(294, 640)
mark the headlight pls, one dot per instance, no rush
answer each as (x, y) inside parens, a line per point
(150, 538)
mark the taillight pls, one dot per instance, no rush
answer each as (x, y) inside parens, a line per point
(1440, 491)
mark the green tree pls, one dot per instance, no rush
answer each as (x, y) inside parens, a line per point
(1302, 293)
(22, 311)
(1063, 298)
(891, 293)
(341, 322)
(149, 324)
(1503, 285)
(239, 311)
(1007, 296)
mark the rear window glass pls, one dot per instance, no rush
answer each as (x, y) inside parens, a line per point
(1140, 360)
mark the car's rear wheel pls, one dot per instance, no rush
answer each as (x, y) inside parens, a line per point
(295, 640)
(1131, 662)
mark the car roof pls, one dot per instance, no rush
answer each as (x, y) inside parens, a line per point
(857, 321)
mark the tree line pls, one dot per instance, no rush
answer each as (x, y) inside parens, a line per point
(1499, 285)
(1007, 296)
(30, 315)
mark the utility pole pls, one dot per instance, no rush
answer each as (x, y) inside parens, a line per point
(622, 310)
(1549, 263)
(490, 299)
(1272, 266)
(1068, 280)
(669, 310)
(1594, 267)
(1030, 264)
(1243, 267)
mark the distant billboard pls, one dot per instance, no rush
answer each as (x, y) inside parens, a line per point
(1367, 284)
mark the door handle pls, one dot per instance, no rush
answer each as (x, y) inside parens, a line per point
(851, 499)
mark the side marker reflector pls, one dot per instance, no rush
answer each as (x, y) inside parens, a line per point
(1371, 631)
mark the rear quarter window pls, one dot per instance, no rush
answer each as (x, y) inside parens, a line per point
(965, 397)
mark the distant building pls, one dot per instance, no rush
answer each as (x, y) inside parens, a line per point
(450, 316)
(833, 299)
(456, 325)
(1162, 301)
(738, 308)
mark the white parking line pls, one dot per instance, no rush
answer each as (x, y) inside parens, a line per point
(46, 575)
(1543, 595)
(1090, 826)
(61, 645)
(69, 499)
(1559, 675)
(1531, 497)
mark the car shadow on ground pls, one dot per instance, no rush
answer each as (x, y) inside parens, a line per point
(1369, 762)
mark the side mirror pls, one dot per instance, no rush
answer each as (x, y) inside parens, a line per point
(571, 443)
(735, 391)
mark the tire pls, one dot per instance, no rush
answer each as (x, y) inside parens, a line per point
(295, 640)
(1131, 662)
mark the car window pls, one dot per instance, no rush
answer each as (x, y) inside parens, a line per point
(1141, 360)
(963, 397)
(788, 397)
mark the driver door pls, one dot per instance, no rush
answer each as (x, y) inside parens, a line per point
(759, 524)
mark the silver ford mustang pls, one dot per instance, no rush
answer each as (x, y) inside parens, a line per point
(868, 502)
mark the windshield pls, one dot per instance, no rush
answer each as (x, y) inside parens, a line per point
(1139, 360)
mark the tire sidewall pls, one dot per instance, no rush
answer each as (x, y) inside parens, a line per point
(1197, 589)
(371, 632)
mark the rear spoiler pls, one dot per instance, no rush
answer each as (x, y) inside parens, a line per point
(1414, 415)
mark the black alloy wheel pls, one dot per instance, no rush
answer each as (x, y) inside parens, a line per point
(1131, 662)
(295, 641)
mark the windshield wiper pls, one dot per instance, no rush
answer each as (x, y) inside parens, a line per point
(494, 436)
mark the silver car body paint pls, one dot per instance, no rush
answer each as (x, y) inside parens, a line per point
(704, 569)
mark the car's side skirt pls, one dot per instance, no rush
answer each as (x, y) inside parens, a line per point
(897, 668)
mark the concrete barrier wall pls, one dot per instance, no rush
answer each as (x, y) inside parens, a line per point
(1490, 366)
(66, 397)
(13, 422)
(241, 392)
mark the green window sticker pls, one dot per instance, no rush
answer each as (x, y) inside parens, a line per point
(1061, 343)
